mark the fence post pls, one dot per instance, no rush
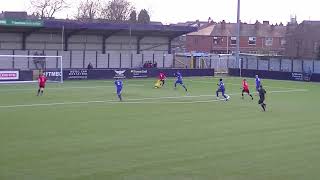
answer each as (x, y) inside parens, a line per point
(71, 59)
(247, 65)
(28, 59)
(312, 66)
(142, 59)
(131, 59)
(108, 60)
(96, 59)
(83, 59)
(57, 60)
(153, 58)
(228, 63)
(163, 60)
(120, 61)
(257, 63)
(280, 64)
(291, 65)
(13, 53)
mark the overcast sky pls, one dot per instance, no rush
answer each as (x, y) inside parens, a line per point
(173, 11)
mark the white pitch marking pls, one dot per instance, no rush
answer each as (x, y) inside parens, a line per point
(71, 87)
(232, 84)
(138, 101)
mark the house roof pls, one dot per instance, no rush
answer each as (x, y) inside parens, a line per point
(230, 29)
(203, 31)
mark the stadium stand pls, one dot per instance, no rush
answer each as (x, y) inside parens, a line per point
(104, 45)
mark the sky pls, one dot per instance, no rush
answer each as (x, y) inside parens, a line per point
(173, 11)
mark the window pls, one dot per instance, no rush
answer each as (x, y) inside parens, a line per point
(217, 40)
(316, 47)
(283, 42)
(196, 41)
(268, 41)
(233, 40)
(252, 41)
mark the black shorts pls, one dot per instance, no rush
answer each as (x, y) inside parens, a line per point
(261, 100)
(246, 91)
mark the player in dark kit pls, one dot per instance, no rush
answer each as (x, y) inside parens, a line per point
(258, 83)
(222, 89)
(118, 83)
(42, 84)
(262, 93)
(245, 88)
(179, 81)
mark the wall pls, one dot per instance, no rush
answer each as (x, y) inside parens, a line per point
(273, 75)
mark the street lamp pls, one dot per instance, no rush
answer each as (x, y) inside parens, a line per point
(238, 37)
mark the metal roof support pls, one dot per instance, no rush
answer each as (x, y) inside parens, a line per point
(170, 45)
(67, 35)
(104, 38)
(139, 38)
(24, 37)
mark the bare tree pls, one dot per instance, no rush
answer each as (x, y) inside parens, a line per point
(47, 8)
(133, 16)
(88, 10)
(117, 10)
(143, 17)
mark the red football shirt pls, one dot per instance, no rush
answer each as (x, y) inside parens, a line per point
(162, 76)
(245, 85)
(42, 80)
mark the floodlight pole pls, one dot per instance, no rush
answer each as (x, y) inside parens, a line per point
(238, 37)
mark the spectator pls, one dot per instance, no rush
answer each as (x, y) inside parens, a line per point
(90, 66)
(39, 60)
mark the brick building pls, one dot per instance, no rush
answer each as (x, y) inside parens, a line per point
(261, 38)
(303, 40)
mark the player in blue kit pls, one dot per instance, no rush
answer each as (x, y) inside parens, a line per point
(179, 81)
(118, 83)
(222, 89)
(258, 83)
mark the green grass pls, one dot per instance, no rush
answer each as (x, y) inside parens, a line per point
(159, 138)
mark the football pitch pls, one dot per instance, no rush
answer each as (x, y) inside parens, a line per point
(79, 131)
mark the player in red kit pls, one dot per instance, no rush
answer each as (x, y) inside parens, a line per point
(42, 83)
(245, 88)
(162, 78)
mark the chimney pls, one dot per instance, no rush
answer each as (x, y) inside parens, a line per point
(265, 22)
(223, 24)
(272, 27)
(257, 24)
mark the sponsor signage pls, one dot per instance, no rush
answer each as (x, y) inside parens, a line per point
(297, 76)
(29, 23)
(139, 73)
(119, 74)
(52, 74)
(77, 74)
(9, 75)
